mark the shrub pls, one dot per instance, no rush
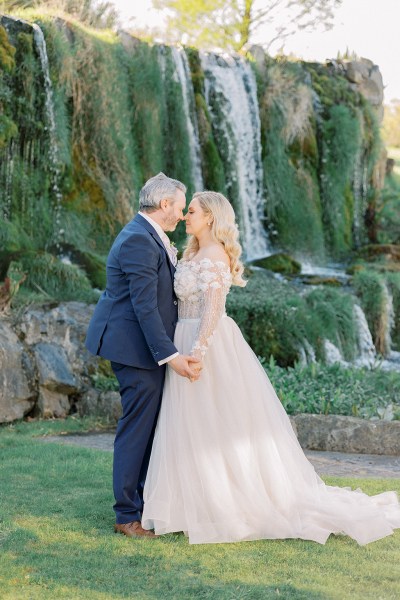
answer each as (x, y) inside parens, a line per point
(371, 289)
(321, 389)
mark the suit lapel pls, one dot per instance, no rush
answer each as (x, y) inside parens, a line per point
(144, 223)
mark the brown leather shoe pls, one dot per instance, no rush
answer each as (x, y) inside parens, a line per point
(134, 530)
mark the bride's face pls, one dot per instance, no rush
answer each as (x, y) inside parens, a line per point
(196, 219)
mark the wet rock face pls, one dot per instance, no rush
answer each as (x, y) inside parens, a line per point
(44, 366)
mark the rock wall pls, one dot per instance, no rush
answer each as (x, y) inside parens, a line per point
(44, 366)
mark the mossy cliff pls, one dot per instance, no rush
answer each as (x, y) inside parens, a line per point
(88, 116)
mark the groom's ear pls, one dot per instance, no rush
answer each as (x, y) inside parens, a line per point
(164, 203)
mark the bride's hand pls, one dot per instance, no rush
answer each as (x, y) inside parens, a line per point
(196, 367)
(186, 366)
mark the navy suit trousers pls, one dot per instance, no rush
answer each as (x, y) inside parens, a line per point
(141, 392)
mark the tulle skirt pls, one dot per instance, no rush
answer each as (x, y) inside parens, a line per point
(226, 465)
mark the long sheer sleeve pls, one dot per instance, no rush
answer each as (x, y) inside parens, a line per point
(214, 281)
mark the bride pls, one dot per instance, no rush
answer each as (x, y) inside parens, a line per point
(226, 465)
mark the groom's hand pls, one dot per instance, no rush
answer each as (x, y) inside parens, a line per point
(186, 366)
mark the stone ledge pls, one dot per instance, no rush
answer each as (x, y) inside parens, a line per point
(336, 433)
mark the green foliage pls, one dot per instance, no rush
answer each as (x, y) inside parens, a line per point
(176, 149)
(8, 128)
(54, 279)
(340, 143)
(371, 290)
(388, 203)
(332, 318)
(277, 320)
(7, 51)
(119, 119)
(321, 389)
(332, 88)
(148, 98)
(293, 206)
(393, 281)
(272, 317)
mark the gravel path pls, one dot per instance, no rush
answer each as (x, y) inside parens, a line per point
(325, 463)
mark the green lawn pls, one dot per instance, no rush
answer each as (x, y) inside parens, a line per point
(57, 541)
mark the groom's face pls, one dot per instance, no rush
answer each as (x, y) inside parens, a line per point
(173, 211)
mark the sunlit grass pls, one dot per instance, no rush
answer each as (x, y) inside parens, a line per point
(49, 13)
(56, 541)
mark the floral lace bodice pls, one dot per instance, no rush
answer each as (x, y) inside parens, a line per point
(201, 287)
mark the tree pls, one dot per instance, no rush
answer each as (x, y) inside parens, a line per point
(95, 13)
(391, 124)
(231, 24)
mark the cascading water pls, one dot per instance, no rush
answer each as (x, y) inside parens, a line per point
(366, 348)
(182, 71)
(390, 316)
(359, 188)
(332, 353)
(54, 162)
(231, 97)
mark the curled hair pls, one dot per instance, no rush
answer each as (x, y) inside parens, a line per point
(156, 189)
(223, 230)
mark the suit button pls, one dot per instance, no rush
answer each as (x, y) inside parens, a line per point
(175, 302)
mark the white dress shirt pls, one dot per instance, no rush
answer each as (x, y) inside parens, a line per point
(172, 253)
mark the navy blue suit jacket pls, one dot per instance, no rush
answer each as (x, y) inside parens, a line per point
(135, 318)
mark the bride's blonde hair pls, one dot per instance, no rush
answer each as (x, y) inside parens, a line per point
(223, 230)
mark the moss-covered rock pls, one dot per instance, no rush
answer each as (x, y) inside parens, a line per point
(316, 280)
(279, 263)
(389, 252)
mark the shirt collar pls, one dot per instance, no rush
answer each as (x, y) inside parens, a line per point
(156, 226)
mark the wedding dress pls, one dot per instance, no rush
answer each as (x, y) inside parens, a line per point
(226, 465)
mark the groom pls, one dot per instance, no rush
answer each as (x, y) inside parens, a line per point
(133, 326)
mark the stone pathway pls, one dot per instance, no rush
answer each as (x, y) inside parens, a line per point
(326, 463)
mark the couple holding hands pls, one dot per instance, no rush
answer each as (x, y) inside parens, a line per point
(204, 445)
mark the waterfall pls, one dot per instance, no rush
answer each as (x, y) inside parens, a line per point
(183, 73)
(306, 353)
(231, 97)
(366, 348)
(7, 179)
(54, 161)
(358, 199)
(389, 312)
(360, 187)
(332, 353)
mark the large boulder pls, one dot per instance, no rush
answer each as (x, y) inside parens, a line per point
(366, 78)
(279, 263)
(54, 370)
(17, 397)
(105, 404)
(336, 433)
(49, 341)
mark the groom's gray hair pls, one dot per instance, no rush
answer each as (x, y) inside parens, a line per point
(156, 189)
